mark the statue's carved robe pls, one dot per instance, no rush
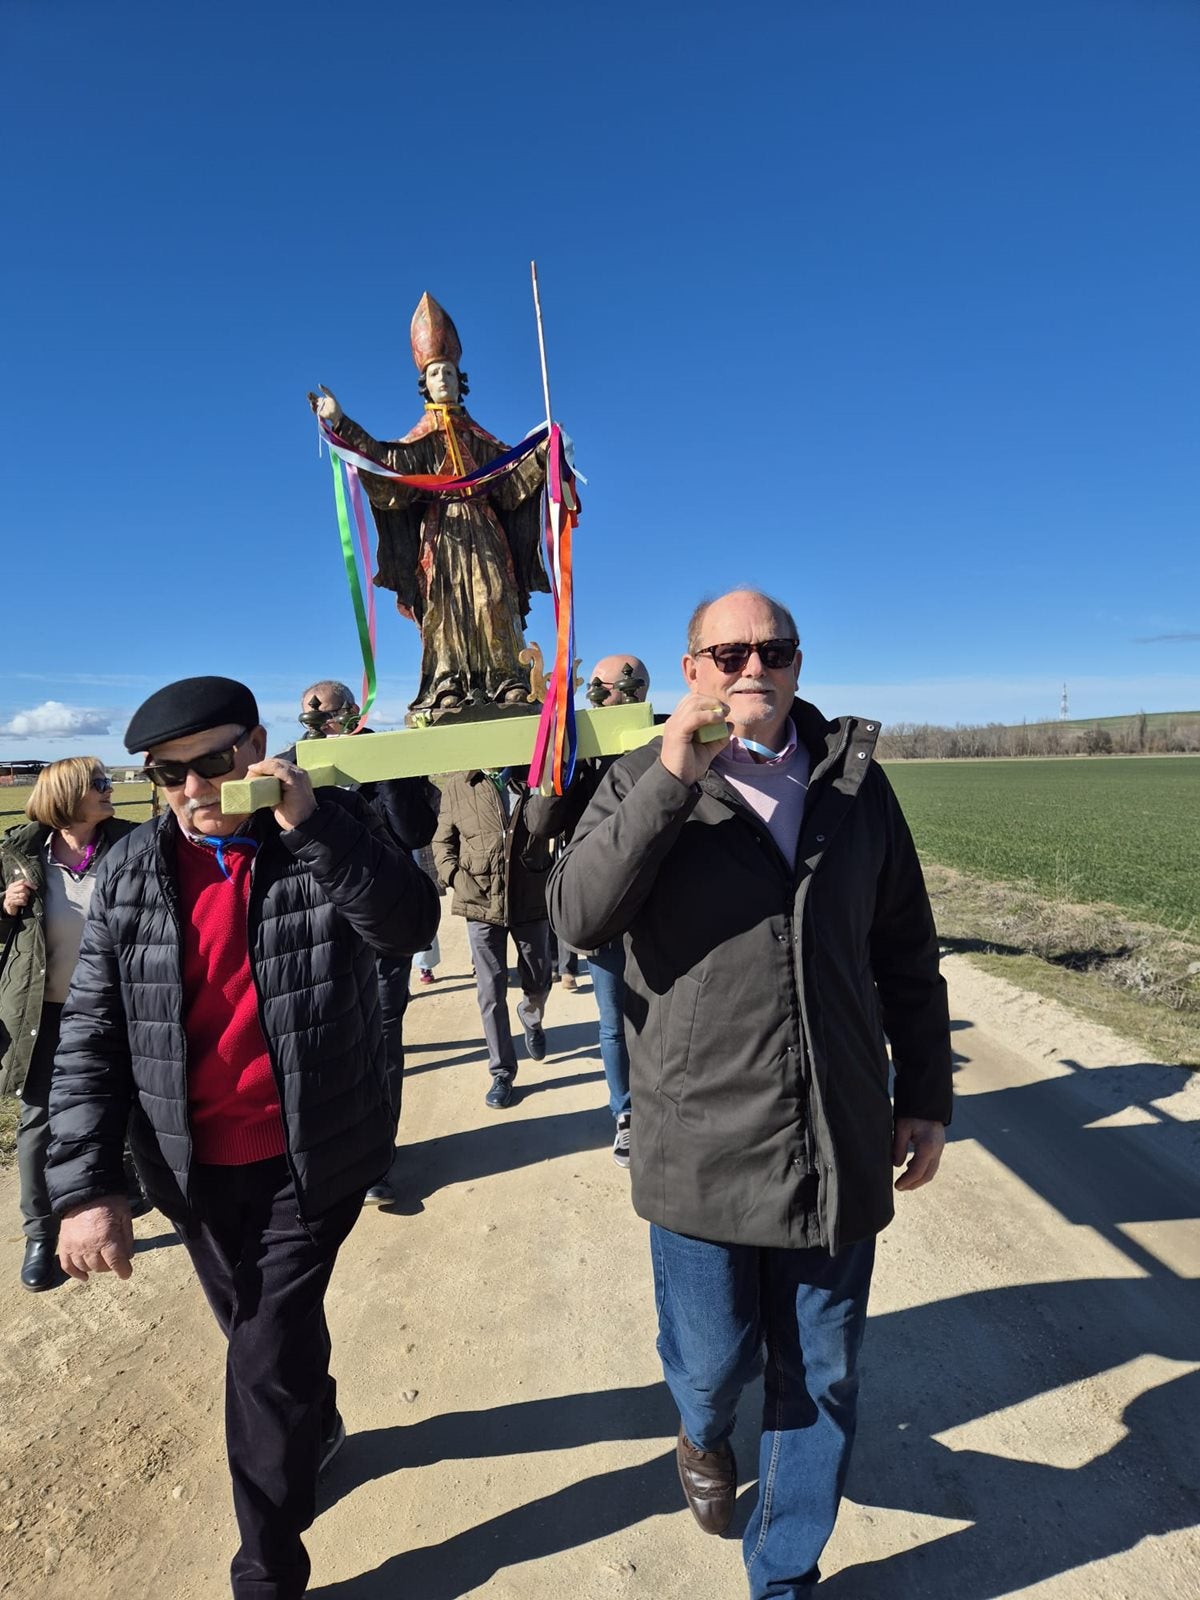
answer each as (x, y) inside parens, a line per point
(464, 568)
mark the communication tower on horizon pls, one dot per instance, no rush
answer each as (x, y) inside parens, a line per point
(1064, 710)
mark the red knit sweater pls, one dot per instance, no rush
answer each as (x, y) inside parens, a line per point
(233, 1105)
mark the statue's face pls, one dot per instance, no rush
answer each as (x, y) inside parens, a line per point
(441, 379)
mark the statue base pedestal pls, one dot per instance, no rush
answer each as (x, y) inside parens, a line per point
(461, 715)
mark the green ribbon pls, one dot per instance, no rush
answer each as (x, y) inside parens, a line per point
(356, 594)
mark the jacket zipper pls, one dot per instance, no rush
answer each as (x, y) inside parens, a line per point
(508, 828)
(808, 1066)
(172, 902)
(262, 1027)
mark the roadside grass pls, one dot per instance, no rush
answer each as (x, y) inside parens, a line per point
(1137, 978)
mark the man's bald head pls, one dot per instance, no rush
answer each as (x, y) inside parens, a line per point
(331, 695)
(609, 669)
(337, 702)
(784, 619)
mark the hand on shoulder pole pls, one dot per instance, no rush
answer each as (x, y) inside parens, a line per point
(693, 736)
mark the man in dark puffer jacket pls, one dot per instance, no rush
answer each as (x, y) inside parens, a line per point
(226, 992)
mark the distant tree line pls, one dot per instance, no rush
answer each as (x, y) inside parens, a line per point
(1137, 735)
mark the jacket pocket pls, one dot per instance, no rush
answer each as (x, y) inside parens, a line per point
(678, 1026)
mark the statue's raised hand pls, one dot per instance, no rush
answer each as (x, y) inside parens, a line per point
(325, 405)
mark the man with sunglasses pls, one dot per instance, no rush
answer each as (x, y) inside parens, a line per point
(226, 992)
(776, 928)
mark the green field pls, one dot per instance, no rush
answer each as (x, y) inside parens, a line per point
(1122, 830)
(131, 800)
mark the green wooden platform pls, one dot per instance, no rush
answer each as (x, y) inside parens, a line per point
(421, 752)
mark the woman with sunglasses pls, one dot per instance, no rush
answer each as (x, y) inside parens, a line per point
(48, 866)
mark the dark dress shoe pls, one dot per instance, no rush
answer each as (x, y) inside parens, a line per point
(379, 1194)
(139, 1206)
(501, 1092)
(531, 1022)
(709, 1479)
(39, 1270)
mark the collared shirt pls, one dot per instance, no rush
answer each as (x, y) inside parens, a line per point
(506, 788)
(64, 913)
(775, 790)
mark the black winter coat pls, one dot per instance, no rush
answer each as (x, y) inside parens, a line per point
(326, 898)
(758, 991)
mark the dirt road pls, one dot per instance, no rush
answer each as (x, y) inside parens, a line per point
(1029, 1414)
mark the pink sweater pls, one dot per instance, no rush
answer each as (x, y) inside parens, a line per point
(775, 790)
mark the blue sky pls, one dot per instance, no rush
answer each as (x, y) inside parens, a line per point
(887, 308)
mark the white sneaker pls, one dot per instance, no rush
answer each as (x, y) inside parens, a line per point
(621, 1142)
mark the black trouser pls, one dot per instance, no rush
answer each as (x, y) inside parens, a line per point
(33, 1130)
(265, 1273)
(393, 976)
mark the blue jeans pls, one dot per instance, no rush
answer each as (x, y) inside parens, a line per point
(720, 1308)
(607, 967)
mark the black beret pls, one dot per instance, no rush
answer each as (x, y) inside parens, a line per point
(190, 706)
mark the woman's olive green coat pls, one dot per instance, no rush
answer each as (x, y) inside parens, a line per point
(23, 944)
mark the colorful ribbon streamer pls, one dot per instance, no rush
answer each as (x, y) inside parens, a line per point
(364, 621)
(557, 739)
(432, 482)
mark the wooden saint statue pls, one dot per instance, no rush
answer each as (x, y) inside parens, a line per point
(462, 568)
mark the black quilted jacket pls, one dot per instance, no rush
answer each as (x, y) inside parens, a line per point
(325, 899)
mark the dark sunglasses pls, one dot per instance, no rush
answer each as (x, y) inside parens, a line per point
(101, 783)
(173, 774)
(773, 653)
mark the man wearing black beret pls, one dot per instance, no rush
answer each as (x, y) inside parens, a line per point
(226, 995)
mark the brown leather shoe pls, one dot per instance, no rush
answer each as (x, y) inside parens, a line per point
(709, 1479)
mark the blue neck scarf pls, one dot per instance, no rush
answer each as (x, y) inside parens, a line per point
(218, 847)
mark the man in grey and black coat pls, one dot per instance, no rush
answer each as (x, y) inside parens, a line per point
(776, 929)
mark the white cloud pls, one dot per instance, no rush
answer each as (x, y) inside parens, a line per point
(54, 720)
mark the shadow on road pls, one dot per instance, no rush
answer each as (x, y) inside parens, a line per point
(158, 1241)
(928, 1369)
(422, 1169)
(526, 1427)
(574, 1516)
(938, 1366)
(579, 1039)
